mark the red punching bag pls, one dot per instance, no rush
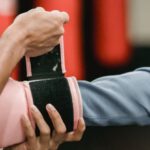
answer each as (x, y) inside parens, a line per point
(73, 33)
(110, 32)
(7, 15)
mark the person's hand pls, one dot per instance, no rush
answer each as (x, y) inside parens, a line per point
(59, 134)
(40, 30)
(48, 140)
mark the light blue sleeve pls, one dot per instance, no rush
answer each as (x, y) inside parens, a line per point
(117, 100)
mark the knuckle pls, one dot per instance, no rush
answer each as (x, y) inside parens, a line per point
(38, 120)
(40, 8)
(83, 128)
(55, 12)
(61, 30)
(56, 23)
(55, 114)
(38, 117)
(38, 13)
(20, 16)
(61, 131)
(53, 145)
(78, 138)
(31, 135)
(65, 16)
(45, 131)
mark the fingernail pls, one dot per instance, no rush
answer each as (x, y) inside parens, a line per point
(33, 108)
(24, 117)
(50, 107)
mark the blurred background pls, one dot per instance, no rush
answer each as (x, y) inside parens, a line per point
(103, 37)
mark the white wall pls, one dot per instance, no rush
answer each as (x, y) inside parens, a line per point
(139, 21)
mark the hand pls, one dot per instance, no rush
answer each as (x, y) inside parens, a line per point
(40, 30)
(48, 140)
(59, 135)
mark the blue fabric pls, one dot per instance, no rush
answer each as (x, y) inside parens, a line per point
(117, 100)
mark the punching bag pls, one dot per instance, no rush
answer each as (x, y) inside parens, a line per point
(7, 14)
(73, 43)
(111, 45)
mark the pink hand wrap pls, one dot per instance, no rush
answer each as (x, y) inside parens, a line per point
(13, 104)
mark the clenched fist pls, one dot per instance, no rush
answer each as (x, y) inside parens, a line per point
(39, 30)
(32, 33)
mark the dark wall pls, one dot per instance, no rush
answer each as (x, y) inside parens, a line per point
(112, 138)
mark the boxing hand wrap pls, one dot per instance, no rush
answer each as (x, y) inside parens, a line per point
(17, 98)
(48, 85)
(50, 65)
(63, 93)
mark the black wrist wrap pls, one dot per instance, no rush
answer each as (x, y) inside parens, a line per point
(47, 66)
(57, 92)
(48, 85)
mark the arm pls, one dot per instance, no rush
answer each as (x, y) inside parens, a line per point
(12, 50)
(22, 38)
(117, 100)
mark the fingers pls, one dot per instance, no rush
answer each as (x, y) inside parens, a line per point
(78, 133)
(42, 125)
(37, 9)
(60, 129)
(28, 131)
(63, 16)
(60, 134)
(57, 121)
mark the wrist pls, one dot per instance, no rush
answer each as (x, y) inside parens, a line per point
(16, 38)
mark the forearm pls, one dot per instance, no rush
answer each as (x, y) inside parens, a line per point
(12, 47)
(117, 100)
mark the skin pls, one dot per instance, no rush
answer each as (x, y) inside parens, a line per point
(22, 38)
(48, 140)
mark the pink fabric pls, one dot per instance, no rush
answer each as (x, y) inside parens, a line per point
(29, 99)
(76, 100)
(28, 66)
(79, 97)
(62, 55)
(13, 105)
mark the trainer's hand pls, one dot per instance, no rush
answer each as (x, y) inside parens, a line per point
(48, 140)
(40, 30)
(59, 134)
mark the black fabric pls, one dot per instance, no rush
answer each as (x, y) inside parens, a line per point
(47, 66)
(57, 92)
(48, 85)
